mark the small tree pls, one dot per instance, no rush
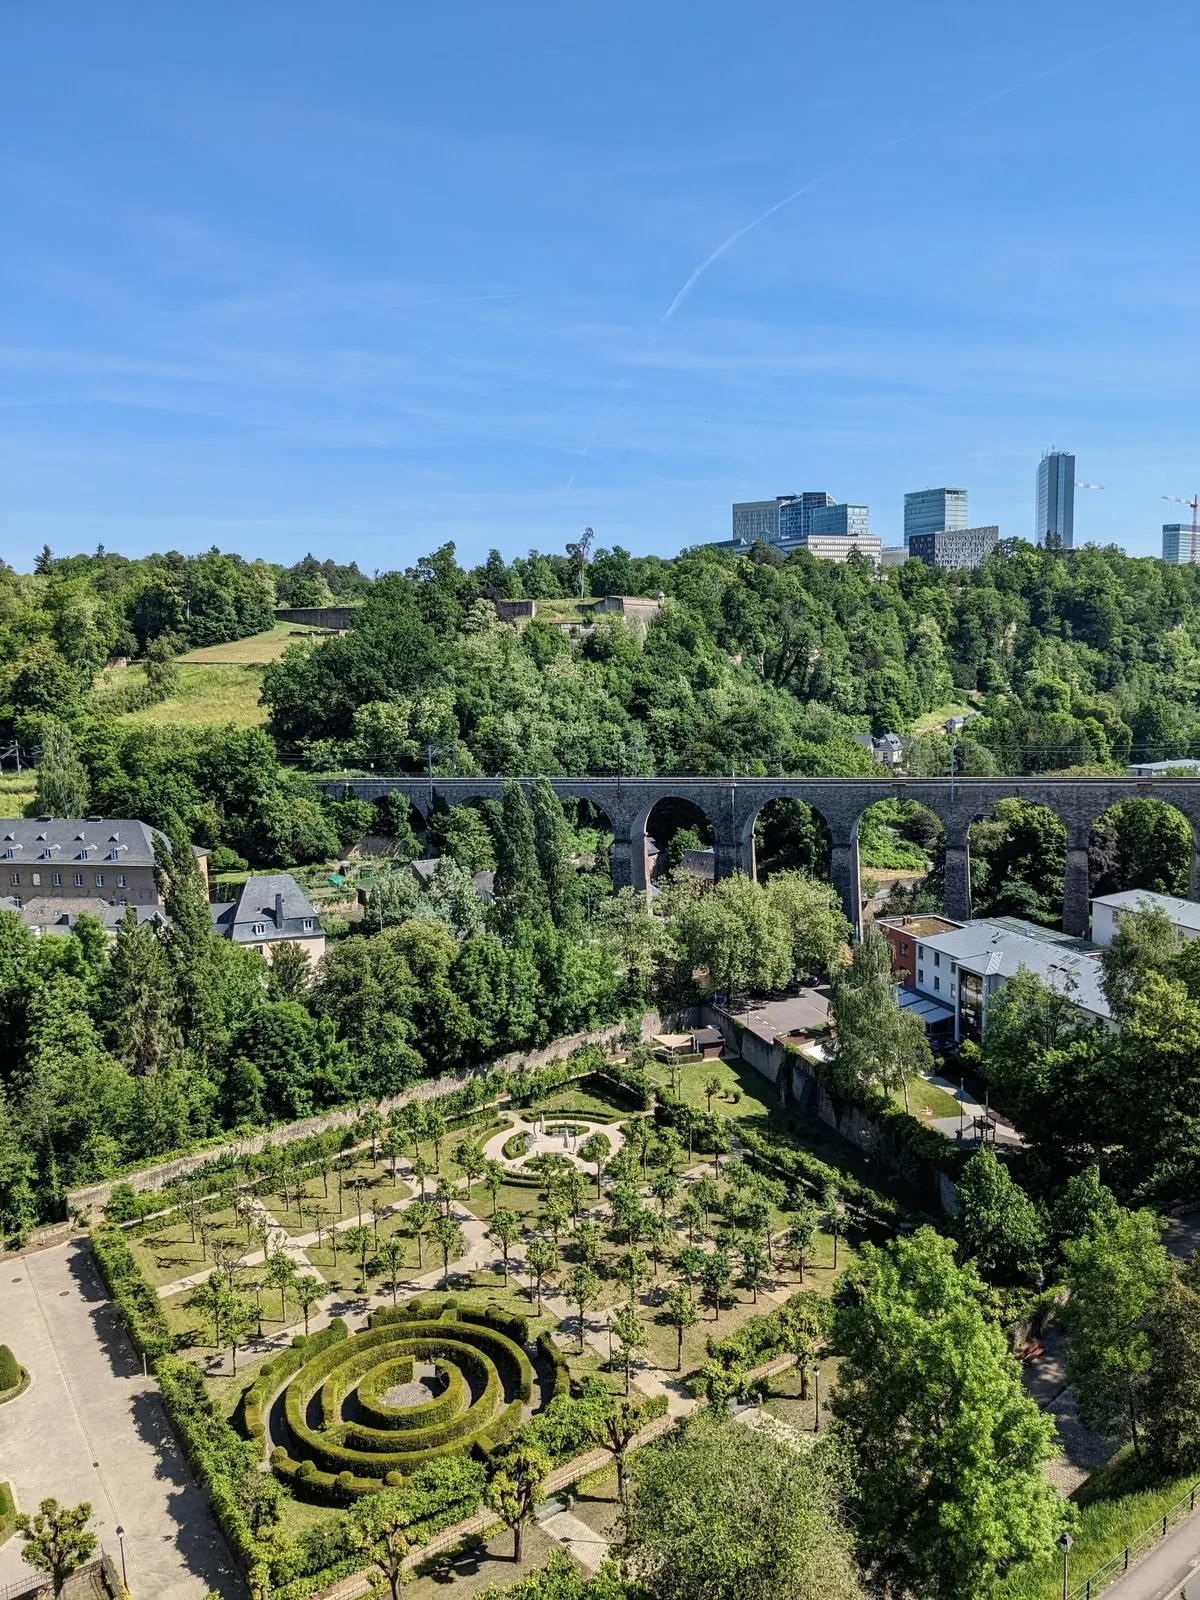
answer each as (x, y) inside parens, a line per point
(681, 1313)
(706, 1195)
(448, 1236)
(691, 1214)
(435, 1132)
(505, 1231)
(393, 1254)
(379, 1525)
(582, 1288)
(712, 1086)
(308, 1291)
(493, 1175)
(419, 1218)
(370, 1125)
(281, 1274)
(715, 1277)
(627, 1326)
(801, 1237)
(421, 1170)
(623, 1420)
(754, 1267)
(556, 1216)
(633, 1270)
(595, 1149)
(468, 1158)
(541, 1258)
(516, 1486)
(664, 1186)
(393, 1148)
(56, 1539)
(359, 1240)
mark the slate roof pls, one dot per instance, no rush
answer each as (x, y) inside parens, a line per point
(1067, 965)
(272, 906)
(59, 915)
(1183, 913)
(96, 840)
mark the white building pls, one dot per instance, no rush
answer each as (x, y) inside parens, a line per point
(967, 966)
(1181, 766)
(1107, 910)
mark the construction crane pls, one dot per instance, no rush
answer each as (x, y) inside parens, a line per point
(1194, 502)
(1079, 485)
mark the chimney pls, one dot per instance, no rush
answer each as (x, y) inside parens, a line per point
(279, 911)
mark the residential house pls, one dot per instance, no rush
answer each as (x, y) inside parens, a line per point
(270, 910)
(101, 860)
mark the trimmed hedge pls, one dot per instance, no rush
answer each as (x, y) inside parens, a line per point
(551, 1354)
(134, 1298)
(8, 1511)
(376, 1384)
(272, 1373)
(345, 1459)
(10, 1370)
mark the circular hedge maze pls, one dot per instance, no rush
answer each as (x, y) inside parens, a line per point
(347, 1414)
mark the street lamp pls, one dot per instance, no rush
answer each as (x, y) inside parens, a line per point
(1064, 1544)
(121, 1542)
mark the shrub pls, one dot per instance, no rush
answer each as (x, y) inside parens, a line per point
(10, 1372)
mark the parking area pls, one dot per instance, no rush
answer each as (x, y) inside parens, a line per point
(91, 1427)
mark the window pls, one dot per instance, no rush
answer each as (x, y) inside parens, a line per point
(37, 878)
(952, 991)
(904, 947)
(937, 958)
(120, 880)
(57, 878)
(79, 880)
(920, 974)
(920, 952)
(954, 966)
(14, 877)
(99, 880)
(308, 924)
(258, 929)
(937, 983)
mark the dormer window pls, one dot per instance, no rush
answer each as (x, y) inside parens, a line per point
(258, 929)
(308, 924)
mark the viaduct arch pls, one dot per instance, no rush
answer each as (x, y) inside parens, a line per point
(731, 805)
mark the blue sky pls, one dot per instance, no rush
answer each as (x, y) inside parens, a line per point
(360, 279)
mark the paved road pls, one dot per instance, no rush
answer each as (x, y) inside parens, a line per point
(91, 1427)
(1166, 1569)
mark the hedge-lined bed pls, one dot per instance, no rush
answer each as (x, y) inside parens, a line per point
(8, 1511)
(329, 1455)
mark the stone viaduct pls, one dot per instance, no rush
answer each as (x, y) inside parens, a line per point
(731, 805)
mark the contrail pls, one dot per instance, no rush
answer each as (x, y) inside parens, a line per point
(867, 155)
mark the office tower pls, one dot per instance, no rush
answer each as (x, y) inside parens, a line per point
(1055, 518)
(934, 511)
(759, 519)
(954, 548)
(847, 521)
(1177, 543)
(796, 514)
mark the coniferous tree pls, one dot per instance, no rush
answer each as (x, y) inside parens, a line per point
(139, 999)
(552, 837)
(519, 889)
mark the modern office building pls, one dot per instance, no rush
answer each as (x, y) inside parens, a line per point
(758, 519)
(1055, 516)
(954, 548)
(1177, 543)
(796, 513)
(846, 522)
(934, 511)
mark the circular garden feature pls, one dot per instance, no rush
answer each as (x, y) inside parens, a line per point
(14, 1379)
(348, 1414)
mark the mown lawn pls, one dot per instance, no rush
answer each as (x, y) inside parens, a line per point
(17, 791)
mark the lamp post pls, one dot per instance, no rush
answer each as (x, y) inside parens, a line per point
(1064, 1544)
(121, 1542)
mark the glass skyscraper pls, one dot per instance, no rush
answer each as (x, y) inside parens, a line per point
(934, 511)
(1055, 517)
(1177, 543)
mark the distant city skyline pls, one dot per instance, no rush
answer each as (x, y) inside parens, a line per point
(278, 283)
